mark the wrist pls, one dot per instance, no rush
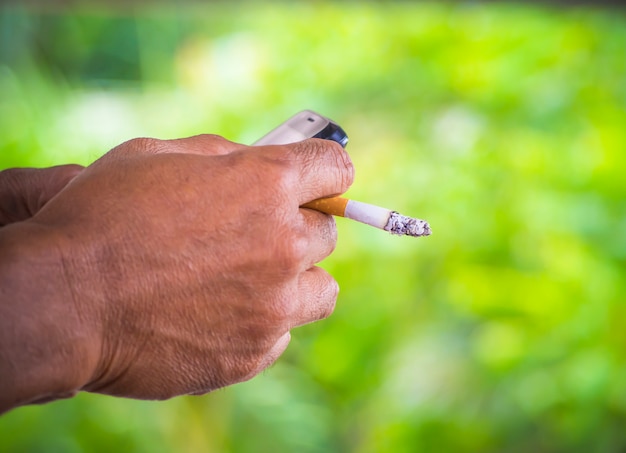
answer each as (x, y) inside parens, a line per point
(47, 346)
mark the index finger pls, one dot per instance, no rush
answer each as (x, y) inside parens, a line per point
(324, 167)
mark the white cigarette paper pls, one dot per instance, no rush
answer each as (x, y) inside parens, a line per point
(382, 218)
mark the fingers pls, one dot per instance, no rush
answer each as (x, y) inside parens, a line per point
(317, 295)
(24, 191)
(317, 290)
(321, 236)
(51, 180)
(324, 168)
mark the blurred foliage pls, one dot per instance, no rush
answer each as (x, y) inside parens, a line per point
(502, 124)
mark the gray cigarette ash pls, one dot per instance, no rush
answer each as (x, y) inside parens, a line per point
(403, 225)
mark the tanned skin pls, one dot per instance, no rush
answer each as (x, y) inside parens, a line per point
(167, 267)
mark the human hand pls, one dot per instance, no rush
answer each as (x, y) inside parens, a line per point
(24, 191)
(190, 260)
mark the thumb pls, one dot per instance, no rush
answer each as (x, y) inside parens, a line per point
(24, 191)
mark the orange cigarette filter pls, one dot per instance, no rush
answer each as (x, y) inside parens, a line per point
(333, 205)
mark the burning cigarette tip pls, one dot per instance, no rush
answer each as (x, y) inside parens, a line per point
(407, 226)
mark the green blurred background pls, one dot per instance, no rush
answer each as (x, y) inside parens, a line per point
(504, 125)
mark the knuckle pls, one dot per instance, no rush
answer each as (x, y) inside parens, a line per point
(215, 139)
(282, 154)
(238, 370)
(278, 200)
(290, 253)
(145, 144)
(62, 174)
(140, 145)
(308, 154)
(12, 177)
(345, 167)
(271, 168)
(71, 170)
(245, 364)
(309, 165)
(203, 144)
(315, 153)
(314, 146)
(283, 178)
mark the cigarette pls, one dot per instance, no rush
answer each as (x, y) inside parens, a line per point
(369, 214)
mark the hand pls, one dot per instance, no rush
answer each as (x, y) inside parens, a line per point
(189, 261)
(24, 191)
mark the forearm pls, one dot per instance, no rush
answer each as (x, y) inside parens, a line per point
(42, 339)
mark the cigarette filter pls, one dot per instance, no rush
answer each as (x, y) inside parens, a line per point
(369, 214)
